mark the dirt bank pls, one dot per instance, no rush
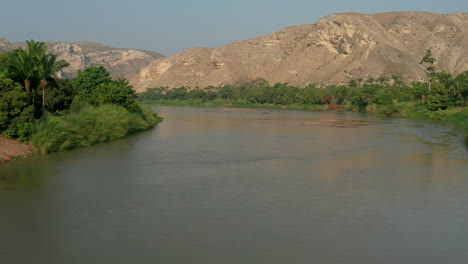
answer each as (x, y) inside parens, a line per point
(11, 149)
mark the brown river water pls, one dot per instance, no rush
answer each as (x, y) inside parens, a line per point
(243, 186)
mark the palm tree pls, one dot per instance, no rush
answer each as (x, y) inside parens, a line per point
(36, 48)
(33, 64)
(122, 82)
(47, 67)
(22, 64)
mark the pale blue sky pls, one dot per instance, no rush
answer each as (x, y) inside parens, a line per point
(174, 26)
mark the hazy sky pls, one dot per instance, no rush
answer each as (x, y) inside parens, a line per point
(173, 26)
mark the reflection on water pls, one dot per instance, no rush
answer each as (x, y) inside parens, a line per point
(27, 176)
(245, 186)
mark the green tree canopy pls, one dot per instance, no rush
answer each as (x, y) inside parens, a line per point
(429, 61)
(60, 95)
(90, 78)
(16, 114)
(47, 68)
(113, 93)
(32, 66)
(22, 65)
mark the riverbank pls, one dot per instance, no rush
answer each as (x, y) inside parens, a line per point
(90, 109)
(234, 104)
(90, 126)
(457, 117)
(12, 150)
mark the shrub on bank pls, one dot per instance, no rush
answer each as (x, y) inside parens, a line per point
(460, 119)
(16, 113)
(403, 110)
(89, 126)
(457, 117)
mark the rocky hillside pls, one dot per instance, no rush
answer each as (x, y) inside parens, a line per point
(5, 45)
(334, 50)
(120, 62)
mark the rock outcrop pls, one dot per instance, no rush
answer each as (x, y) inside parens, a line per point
(119, 62)
(334, 50)
(5, 45)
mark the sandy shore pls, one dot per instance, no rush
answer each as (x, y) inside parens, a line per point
(11, 149)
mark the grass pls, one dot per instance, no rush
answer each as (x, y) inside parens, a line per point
(456, 117)
(459, 119)
(91, 125)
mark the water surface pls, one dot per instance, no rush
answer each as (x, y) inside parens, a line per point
(245, 186)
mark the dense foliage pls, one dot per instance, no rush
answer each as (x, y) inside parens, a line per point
(446, 92)
(33, 67)
(16, 113)
(90, 109)
(90, 78)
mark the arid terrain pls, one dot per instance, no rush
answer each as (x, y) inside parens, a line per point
(119, 62)
(334, 50)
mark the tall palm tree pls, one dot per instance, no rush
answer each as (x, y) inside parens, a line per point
(22, 64)
(33, 64)
(47, 67)
(36, 48)
(122, 82)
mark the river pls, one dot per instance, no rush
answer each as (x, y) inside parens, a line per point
(212, 185)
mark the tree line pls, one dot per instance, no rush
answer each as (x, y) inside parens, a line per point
(446, 92)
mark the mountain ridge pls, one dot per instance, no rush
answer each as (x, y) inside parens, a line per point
(335, 49)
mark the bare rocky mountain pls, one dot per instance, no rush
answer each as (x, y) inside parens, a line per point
(119, 62)
(334, 50)
(5, 45)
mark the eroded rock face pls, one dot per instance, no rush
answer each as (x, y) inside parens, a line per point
(119, 62)
(5, 45)
(332, 51)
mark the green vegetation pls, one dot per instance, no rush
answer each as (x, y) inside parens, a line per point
(442, 97)
(90, 109)
(16, 112)
(447, 92)
(89, 126)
